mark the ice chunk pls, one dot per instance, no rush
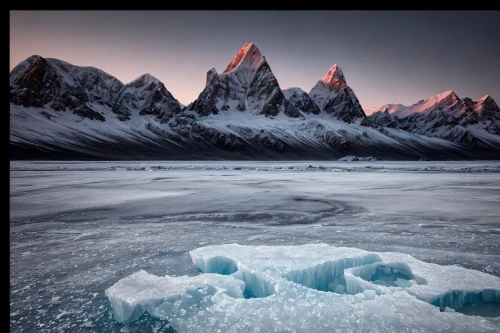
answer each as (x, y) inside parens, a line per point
(312, 288)
(141, 291)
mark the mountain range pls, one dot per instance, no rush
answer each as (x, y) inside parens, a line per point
(62, 111)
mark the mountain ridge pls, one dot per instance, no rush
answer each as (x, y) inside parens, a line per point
(445, 116)
(62, 110)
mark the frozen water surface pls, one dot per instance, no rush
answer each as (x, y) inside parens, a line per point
(81, 229)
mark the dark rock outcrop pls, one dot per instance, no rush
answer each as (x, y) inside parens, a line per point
(301, 100)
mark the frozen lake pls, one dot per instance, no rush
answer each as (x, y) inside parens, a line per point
(76, 228)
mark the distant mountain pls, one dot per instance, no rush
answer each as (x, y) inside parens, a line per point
(391, 108)
(447, 100)
(62, 111)
(446, 116)
(335, 97)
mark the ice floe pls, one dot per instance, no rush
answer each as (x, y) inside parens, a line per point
(312, 288)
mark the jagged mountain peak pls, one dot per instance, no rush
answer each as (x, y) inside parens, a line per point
(485, 98)
(35, 62)
(333, 96)
(144, 80)
(447, 99)
(147, 77)
(210, 74)
(486, 106)
(334, 79)
(248, 56)
(449, 94)
(33, 58)
(29, 61)
(146, 95)
(246, 85)
(19, 71)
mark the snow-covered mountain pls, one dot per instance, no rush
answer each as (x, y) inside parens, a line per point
(246, 85)
(55, 84)
(391, 108)
(447, 100)
(62, 111)
(146, 95)
(379, 119)
(301, 100)
(335, 97)
(446, 116)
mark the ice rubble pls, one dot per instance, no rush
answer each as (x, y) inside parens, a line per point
(314, 288)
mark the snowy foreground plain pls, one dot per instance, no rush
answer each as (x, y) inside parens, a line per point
(323, 246)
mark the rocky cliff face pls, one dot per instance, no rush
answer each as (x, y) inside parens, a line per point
(146, 95)
(301, 100)
(333, 96)
(246, 85)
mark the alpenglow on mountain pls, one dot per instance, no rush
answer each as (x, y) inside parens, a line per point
(445, 116)
(247, 85)
(63, 111)
(335, 97)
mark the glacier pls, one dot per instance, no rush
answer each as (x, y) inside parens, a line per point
(310, 288)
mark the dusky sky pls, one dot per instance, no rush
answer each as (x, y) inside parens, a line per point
(386, 56)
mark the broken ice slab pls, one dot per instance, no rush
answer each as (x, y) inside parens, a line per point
(311, 288)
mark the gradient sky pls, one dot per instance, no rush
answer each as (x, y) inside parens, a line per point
(386, 56)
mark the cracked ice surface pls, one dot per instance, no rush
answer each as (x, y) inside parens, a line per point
(282, 289)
